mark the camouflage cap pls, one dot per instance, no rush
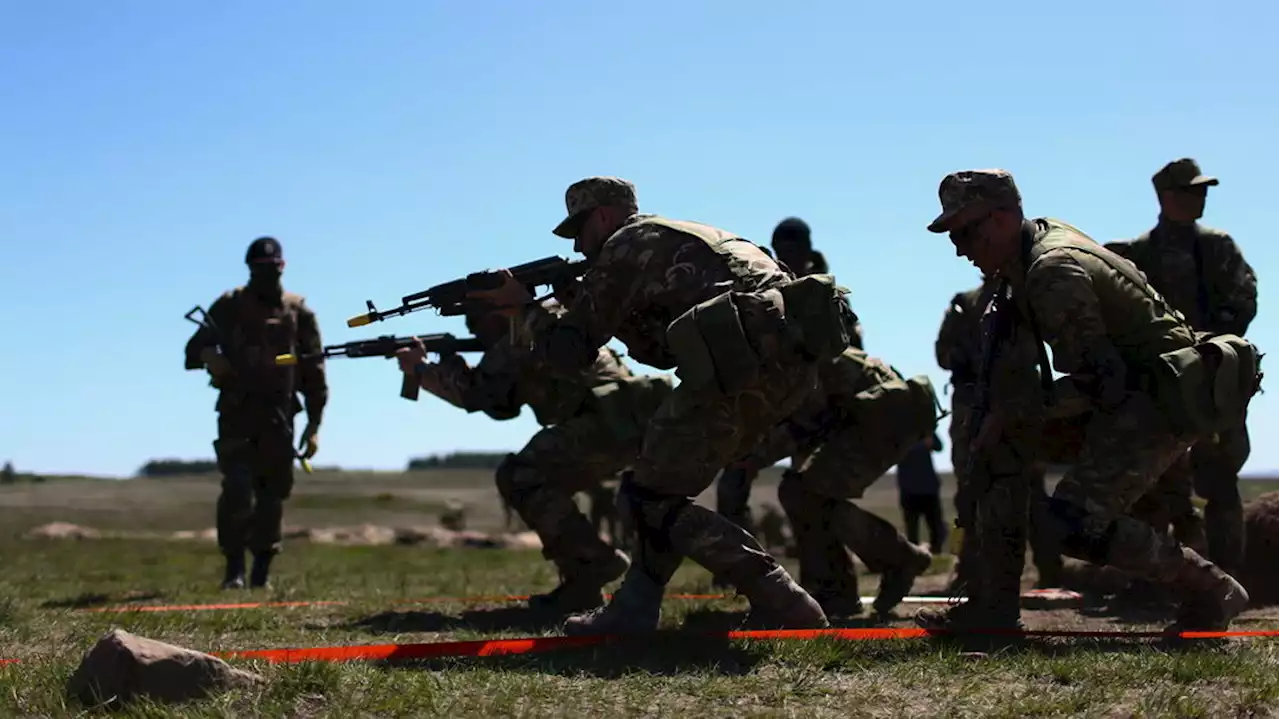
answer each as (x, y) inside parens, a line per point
(586, 195)
(962, 190)
(1181, 173)
(264, 249)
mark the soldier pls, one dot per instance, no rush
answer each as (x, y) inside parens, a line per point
(257, 402)
(588, 435)
(1110, 333)
(745, 338)
(861, 420)
(958, 350)
(1203, 274)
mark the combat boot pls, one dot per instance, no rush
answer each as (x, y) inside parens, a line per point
(977, 624)
(839, 605)
(1212, 597)
(777, 602)
(581, 584)
(233, 575)
(261, 567)
(895, 583)
(636, 607)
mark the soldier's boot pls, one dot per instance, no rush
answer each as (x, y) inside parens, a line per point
(581, 583)
(975, 621)
(636, 607)
(839, 604)
(233, 575)
(896, 582)
(261, 568)
(1049, 575)
(1212, 598)
(777, 602)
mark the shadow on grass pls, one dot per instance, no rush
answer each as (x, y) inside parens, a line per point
(98, 599)
(479, 620)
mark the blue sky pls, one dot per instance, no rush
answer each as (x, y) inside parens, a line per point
(402, 144)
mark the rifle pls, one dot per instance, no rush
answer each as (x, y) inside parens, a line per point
(442, 344)
(206, 322)
(450, 298)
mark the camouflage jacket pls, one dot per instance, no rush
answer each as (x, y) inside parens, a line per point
(509, 377)
(254, 332)
(958, 346)
(1200, 271)
(646, 276)
(1100, 325)
(839, 382)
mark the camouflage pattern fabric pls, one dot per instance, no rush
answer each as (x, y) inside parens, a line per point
(579, 446)
(645, 276)
(254, 447)
(1203, 274)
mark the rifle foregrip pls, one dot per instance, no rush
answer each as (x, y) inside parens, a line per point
(409, 387)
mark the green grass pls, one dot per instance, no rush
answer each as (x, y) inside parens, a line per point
(46, 584)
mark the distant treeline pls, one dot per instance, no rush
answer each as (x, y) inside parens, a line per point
(458, 460)
(8, 475)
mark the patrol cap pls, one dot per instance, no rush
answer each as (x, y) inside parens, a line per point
(264, 249)
(588, 194)
(1180, 174)
(792, 229)
(972, 189)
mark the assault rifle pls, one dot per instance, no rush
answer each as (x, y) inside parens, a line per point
(443, 344)
(286, 425)
(450, 298)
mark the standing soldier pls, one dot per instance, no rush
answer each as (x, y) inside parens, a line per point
(257, 402)
(1204, 275)
(958, 350)
(592, 423)
(745, 338)
(1130, 361)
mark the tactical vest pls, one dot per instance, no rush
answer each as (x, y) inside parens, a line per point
(1202, 381)
(710, 341)
(258, 332)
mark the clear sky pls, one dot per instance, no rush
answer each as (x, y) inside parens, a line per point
(393, 145)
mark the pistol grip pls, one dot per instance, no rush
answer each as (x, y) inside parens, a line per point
(409, 387)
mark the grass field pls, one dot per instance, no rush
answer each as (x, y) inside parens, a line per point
(47, 584)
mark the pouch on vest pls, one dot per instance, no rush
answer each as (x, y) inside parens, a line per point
(1206, 388)
(711, 347)
(627, 405)
(818, 316)
(890, 418)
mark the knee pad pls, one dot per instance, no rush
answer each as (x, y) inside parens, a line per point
(1068, 522)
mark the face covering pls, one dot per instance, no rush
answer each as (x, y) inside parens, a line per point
(264, 281)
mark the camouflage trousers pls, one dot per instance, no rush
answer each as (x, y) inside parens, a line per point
(1016, 481)
(817, 495)
(577, 455)
(694, 434)
(1215, 466)
(255, 457)
(733, 495)
(1125, 452)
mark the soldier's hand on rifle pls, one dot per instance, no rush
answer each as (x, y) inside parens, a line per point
(410, 357)
(310, 442)
(217, 365)
(506, 299)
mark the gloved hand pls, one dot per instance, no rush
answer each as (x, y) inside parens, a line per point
(215, 363)
(309, 444)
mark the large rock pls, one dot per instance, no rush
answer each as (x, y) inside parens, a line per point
(63, 530)
(124, 666)
(1261, 565)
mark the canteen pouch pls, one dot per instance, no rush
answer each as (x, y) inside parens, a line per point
(711, 347)
(818, 317)
(1206, 388)
(626, 405)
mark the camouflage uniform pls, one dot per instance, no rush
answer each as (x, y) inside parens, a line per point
(592, 420)
(958, 350)
(1105, 328)
(256, 407)
(1203, 274)
(860, 421)
(733, 488)
(661, 286)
